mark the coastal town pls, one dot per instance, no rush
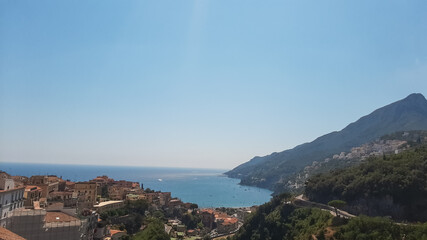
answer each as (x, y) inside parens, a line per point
(50, 207)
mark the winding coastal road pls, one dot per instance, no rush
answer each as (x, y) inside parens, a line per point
(300, 201)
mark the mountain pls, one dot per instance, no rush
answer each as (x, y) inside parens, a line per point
(269, 171)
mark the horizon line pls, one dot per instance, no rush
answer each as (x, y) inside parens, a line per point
(111, 165)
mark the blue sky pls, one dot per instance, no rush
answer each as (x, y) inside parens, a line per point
(197, 83)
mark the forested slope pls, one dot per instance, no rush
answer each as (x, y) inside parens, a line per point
(394, 185)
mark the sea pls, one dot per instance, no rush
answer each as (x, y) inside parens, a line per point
(206, 187)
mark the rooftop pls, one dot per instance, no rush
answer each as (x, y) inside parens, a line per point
(31, 188)
(107, 203)
(228, 221)
(112, 232)
(59, 217)
(13, 189)
(8, 235)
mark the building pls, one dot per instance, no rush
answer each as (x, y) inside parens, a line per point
(43, 225)
(32, 194)
(134, 197)
(109, 205)
(168, 229)
(61, 196)
(181, 228)
(8, 235)
(38, 179)
(86, 194)
(116, 193)
(117, 190)
(158, 198)
(20, 181)
(127, 184)
(192, 232)
(69, 185)
(11, 199)
(242, 215)
(60, 181)
(44, 183)
(227, 225)
(103, 183)
(175, 203)
(208, 218)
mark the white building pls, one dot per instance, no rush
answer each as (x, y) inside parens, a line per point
(109, 205)
(11, 198)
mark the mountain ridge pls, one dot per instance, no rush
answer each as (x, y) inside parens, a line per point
(406, 114)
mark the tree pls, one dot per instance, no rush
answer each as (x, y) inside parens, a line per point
(133, 225)
(148, 190)
(138, 206)
(104, 191)
(337, 204)
(159, 214)
(104, 216)
(154, 231)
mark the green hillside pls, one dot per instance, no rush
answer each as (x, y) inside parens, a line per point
(394, 185)
(279, 220)
(388, 145)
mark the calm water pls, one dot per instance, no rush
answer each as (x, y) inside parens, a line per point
(207, 188)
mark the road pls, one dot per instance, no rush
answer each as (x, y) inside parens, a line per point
(300, 201)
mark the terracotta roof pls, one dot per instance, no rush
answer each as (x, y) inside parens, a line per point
(59, 217)
(8, 235)
(112, 232)
(221, 215)
(31, 188)
(53, 178)
(228, 221)
(4, 175)
(211, 211)
(13, 189)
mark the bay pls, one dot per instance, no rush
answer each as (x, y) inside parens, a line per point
(206, 187)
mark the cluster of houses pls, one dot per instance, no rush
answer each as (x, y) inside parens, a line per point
(220, 221)
(215, 222)
(49, 207)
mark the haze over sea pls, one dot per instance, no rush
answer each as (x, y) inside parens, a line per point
(206, 187)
